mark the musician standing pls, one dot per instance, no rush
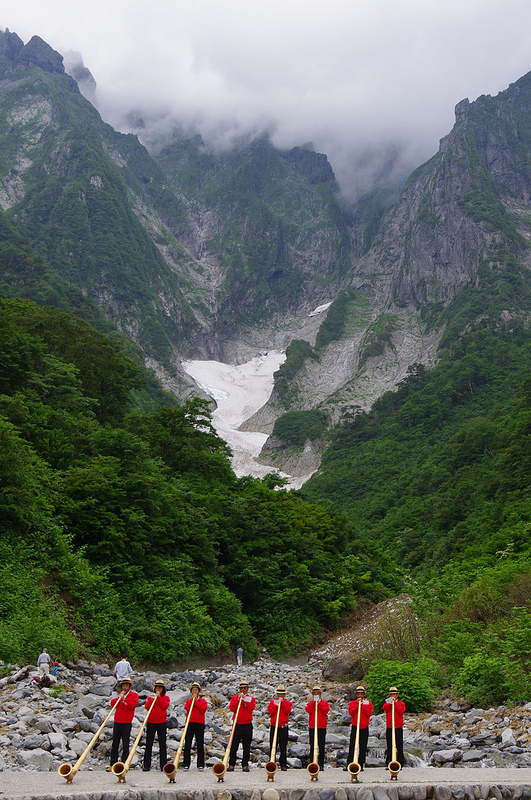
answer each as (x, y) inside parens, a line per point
(196, 727)
(125, 703)
(156, 724)
(322, 708)
(243, 728)
(400, 708)
(280, 708)
(363, 707)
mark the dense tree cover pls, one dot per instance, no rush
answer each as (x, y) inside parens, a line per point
(121, 528)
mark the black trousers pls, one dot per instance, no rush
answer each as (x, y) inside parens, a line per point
(121, 732)
(153, 728)
(196, 729)
(243, 734)
(364, 738)
(282, 743)
(321, 738)
(399, 739)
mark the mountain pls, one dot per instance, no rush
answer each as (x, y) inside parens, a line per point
(195, 253)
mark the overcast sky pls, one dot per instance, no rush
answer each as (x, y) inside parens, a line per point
(348, 75)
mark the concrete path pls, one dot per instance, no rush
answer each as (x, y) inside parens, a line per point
(40, 784)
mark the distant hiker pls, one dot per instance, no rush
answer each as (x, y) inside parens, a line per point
(122, 669)
(196, 727)
(239, 656)
(126, 702)
(43, 663)
(399, 708)
(243, 728)
(279, 711)
(55, 667)
(156, 724)
(321, 707)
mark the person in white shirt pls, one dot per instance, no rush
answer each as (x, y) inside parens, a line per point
(43, 663)
(122, 669)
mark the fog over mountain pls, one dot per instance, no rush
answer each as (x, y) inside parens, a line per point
(365, 82)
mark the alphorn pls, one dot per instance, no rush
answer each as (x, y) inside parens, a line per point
(67, 770)
(354, 767)
(119, 768)
(394, 766)
(314, 767)
(220, 768)
(271, 766)
(170, 768)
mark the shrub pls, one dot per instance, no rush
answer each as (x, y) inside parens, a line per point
(411, 679)
(487, 680)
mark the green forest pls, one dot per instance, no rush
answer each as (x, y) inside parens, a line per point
(127, 529)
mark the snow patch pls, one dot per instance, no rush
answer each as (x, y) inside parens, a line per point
(240, 391)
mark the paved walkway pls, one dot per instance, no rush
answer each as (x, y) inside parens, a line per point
(40, 784)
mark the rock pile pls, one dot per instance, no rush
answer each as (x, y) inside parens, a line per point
(41, 728)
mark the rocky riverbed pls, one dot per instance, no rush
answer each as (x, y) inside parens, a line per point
(42, 728)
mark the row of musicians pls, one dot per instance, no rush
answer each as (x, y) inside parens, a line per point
(244, 704)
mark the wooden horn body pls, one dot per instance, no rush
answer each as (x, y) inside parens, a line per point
(354, 767)
(67, 770)
(170, 769)
(220, 768)
(394, 766)
(271, 766)
(119, 768)
(313, 768)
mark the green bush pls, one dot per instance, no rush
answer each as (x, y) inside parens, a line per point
(414, 682)
(296, 427)
(487, 680)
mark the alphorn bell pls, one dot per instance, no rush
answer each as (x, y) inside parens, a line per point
(119, 768)
(354, 767)
(314, 767)
(220, 768)
(67, 770)
(394, 766)
(170, 769)
(271, 766)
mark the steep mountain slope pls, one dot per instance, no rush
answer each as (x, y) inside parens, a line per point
(181, 252)
(462, 216)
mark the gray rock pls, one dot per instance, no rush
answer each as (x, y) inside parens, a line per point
(37, 758)
(445, 756)
(442, 792)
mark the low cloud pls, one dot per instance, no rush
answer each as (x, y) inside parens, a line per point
(369, 82)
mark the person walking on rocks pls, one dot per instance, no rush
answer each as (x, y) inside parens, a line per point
(196, 727)
(280, 708)
(239, 656)
(317, 704)
(126, 702)
(43, 663)
(156, 724)
(400, 708)
(362, 707)
(122, 669)
(243, 728)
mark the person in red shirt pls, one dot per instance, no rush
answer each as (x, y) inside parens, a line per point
(156, 724)
(196, 727)
(363, 707)
(126, 702)
(243, 729)
(322, 708)
(400, 708)
(281, 709)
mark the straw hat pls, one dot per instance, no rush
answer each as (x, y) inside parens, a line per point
(281, 690)
(317, 689)
(126, 680)
(393, 690)
(196, 685)
(361, 689)
(243, 684)
(159, 682)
